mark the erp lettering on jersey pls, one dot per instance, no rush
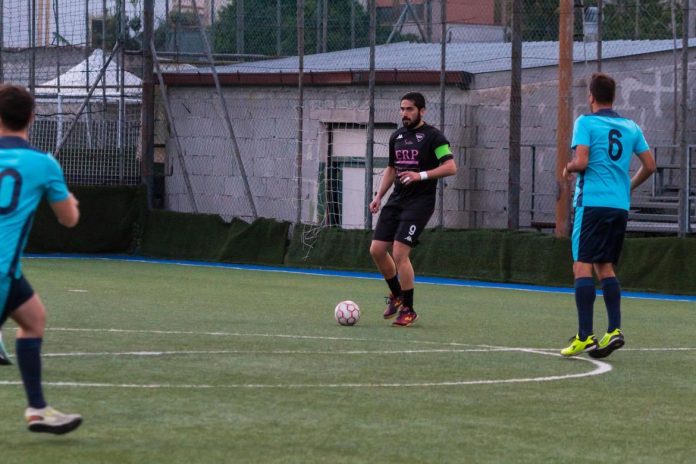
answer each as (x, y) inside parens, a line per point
(406, 156)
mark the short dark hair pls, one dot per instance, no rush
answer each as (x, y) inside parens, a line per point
(16, 107)
(603, 88)
(417, 98)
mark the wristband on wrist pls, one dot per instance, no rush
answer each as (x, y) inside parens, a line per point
(423, 175)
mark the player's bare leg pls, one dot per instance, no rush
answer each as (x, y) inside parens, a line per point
(404, 267)
(379, 251)
(407, 315)
(31, 319)
(380, 255)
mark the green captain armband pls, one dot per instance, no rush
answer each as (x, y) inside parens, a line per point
(442, 150)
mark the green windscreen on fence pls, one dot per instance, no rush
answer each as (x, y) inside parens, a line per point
(501, 256)
(111, 221)
(659, 264)
(207, 237)
(116, 220)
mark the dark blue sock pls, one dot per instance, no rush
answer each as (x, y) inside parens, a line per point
(28, 352)
(585, 294)
(612, 299)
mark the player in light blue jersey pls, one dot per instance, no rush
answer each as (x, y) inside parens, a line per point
(604, 143)
(26, 176)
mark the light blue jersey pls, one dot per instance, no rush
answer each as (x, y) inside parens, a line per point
(26, 175)
(612, 140)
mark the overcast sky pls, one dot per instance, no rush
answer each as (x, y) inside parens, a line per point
(16, 18)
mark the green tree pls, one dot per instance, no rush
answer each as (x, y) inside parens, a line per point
(109, 29)
(539, 20)
(260, 27)
(653, 20)
(179, 27)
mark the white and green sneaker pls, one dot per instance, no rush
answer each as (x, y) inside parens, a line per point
(578, 346)
(610, 342)
(50, 420)
(4, 357)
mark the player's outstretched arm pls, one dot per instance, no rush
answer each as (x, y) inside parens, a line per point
(67, 211)
(647, 167)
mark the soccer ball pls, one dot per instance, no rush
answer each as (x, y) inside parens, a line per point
(347, 313)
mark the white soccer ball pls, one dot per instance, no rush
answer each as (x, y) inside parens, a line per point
(347, 313)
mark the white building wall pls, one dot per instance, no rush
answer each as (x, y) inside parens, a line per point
(477, 121)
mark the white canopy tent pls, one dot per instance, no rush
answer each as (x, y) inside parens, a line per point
(116, 87)
(76, 82)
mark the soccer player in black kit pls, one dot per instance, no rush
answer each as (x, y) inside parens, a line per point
(419, 154)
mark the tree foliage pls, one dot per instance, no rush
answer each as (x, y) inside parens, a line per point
(652, 21)
(260, 27)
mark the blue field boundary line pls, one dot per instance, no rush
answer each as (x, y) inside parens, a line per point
(354, 275)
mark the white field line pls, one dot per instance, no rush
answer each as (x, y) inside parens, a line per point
(333, 338)
(273, 352)
(600, 366)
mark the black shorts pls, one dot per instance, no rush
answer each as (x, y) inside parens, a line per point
(598, 234)
(404, 220)
(13, 294)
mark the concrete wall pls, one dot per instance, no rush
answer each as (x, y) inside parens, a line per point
(477, 121)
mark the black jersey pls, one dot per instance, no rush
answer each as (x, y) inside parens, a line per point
(417, 150)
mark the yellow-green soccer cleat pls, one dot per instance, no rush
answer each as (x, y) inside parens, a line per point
(578, 346)
(610, 342)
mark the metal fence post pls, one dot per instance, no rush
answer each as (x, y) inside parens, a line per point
(226, 114)
(683, 166)
(443, 79)
(515, 136)
(148, 106)
(369, 154)
(300, 106)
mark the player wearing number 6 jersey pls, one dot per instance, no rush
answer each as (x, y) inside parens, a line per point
(604, 144)
(26, 176)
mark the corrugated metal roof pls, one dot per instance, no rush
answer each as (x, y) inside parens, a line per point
(474, 58)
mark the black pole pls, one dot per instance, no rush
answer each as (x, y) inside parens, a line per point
(515, 118)
(148, 106)
(240, 26)
(300, 106)
(443, 77)
(32, 44)
(369, 154)
(600, 31)
(684, 146)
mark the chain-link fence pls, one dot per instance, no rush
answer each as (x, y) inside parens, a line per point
(283, 108)
(87, 101)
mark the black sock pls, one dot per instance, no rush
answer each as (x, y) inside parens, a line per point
(585, 294)
(408, 298)
(394, 286)
(28, 351)
(612, 299)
